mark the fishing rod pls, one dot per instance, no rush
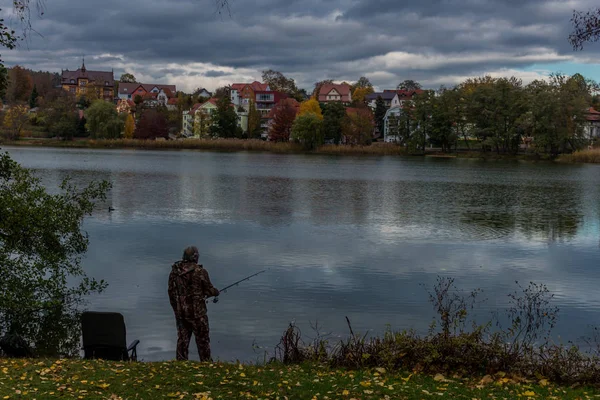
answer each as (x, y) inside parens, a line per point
(216, 299)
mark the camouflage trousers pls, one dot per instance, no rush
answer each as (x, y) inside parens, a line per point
(199, 327)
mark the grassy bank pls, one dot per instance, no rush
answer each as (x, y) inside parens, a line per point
(224, 145)
(78, 379)
(582, 156)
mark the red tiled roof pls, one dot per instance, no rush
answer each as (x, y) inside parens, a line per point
(406, 94)
(259, 87)
(128, 88)
(343, 89)
(150, 95)
(173, 100)
(238, 86)
(592, 110)
(195, 108)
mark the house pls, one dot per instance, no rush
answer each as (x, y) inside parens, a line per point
(202, 93)
(130, 90)
(202, 117)
(389, 98)
(391, 117)
(125, 106)
(163, 96)
(241, 93)
(265, 101)
(172, 103)
(82, 80)
(592, 126)
(335, 92)
(404, 96)
(188, 122)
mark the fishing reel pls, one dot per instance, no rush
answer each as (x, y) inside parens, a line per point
(216, 299)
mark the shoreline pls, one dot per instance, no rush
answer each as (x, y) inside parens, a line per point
(255, 145)
(86, 379)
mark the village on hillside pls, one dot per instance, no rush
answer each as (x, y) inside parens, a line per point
(351, 113)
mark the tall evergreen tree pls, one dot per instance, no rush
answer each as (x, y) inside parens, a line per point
(380, 110)
(254, 130)
(333, 115)
(33, 97)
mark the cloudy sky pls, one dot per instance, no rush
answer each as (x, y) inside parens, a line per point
(185, 42)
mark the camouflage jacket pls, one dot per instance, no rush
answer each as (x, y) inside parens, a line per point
(189, 286)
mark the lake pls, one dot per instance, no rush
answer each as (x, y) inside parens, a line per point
(361, 237)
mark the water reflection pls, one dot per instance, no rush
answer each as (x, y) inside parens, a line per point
(343, 236)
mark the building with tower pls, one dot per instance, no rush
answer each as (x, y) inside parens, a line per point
(88, 83)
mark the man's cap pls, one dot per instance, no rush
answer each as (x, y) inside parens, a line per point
(191, 254)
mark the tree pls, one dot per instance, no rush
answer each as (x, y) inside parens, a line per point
(129, 127)
(333, 116)
(285, 114)
(19, 85)
(43, 283)
(225, 120)
(359, 94)
(67, 126)
(81, 131)
(443, 133)
(357, 127)
(495, 109)
(33, 97)
(254, 129)
(308, 130)
(311, 106)
(138, 100)
(61, 116)
(380, 111)
(14, 121)
(422, 121)
(319, 85)
(127, 78)
(555, 117)
(103, 121)
(152, 125)
(362, 83)
(409, 85)
(221, 92)
(279, 83)
(586, 28)
(3, 81)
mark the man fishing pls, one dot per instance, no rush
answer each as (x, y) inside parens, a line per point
(189, 286)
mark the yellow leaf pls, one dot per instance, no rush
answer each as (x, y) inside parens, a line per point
(380, 370)
(439, 378)
(544, 382)
(344, 393)
(529, 393)
(243, 375)
(103, 385)
(486, 379)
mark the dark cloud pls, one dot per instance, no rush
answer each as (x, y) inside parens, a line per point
(213, 74)
(188, 43)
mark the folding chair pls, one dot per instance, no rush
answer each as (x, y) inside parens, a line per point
(104, 337)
